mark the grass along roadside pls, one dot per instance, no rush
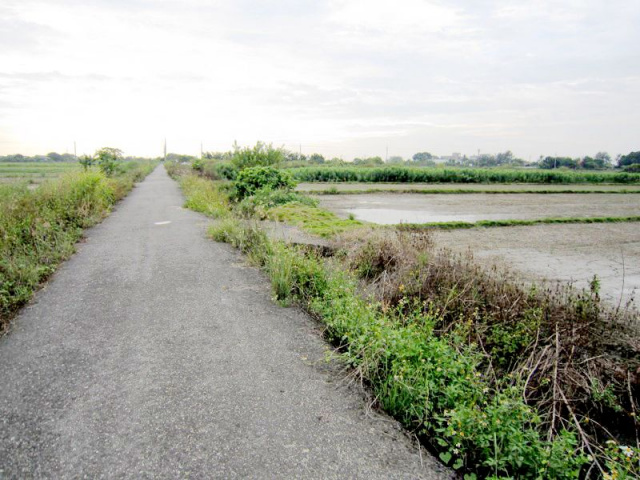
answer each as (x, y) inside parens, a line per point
(39, 229)
(439, 384)
(499, 379)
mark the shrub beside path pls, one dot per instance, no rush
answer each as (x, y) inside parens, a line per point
(157, 353)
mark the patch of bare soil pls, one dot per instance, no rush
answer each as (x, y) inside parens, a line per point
(565, 253)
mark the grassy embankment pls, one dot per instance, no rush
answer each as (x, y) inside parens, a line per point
(500, 379)
(38, 229)
(457, 175)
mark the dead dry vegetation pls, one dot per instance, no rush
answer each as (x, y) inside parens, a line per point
(576, 358)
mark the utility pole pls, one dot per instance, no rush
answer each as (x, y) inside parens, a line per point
(165, 149)
(386, 156)
(201, 153)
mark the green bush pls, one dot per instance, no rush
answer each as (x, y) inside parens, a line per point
(108, 159)
(259, 204)
(250, 180)
(262, 154)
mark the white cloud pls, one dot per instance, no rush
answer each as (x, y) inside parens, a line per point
(414, 74)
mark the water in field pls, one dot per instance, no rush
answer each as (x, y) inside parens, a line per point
(391, 208)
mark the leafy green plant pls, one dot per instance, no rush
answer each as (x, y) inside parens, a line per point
(197, 165)
(252, 179)
(262, 154)
(259, 204)
(622, 462)
(86, 161)
(107, 159)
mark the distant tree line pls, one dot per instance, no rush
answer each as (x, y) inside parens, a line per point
(49, 157)
(601, 161)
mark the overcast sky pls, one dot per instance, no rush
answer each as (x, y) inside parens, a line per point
(345, 78)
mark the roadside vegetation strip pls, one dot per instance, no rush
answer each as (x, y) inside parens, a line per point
(499, 378)
(456, 175)
(513, 223)
(204, 196)
(468, 405)
(38, 229)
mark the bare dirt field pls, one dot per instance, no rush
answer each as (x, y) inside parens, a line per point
(525, 187)
(567, 253)
(390, 208)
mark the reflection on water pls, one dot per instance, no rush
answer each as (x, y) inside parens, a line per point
(390, 216)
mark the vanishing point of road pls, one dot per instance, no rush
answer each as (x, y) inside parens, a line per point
(155, 352)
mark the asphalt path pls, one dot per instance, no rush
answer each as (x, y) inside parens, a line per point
(155, 352)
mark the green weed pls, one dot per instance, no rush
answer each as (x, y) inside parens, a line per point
(204, 196)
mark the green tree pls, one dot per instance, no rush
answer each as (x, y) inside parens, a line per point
(505, 158)
(603, 157)
(86, 161)
(558, 162)
(107, 159)
(422, 157)
(316, 158)
(630, 159)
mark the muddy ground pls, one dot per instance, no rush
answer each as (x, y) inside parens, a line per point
(567, 253)
(390, 208)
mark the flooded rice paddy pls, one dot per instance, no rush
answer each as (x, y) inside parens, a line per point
(556, 253)
(393, 208)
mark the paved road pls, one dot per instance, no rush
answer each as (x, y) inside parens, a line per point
(157, 353)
